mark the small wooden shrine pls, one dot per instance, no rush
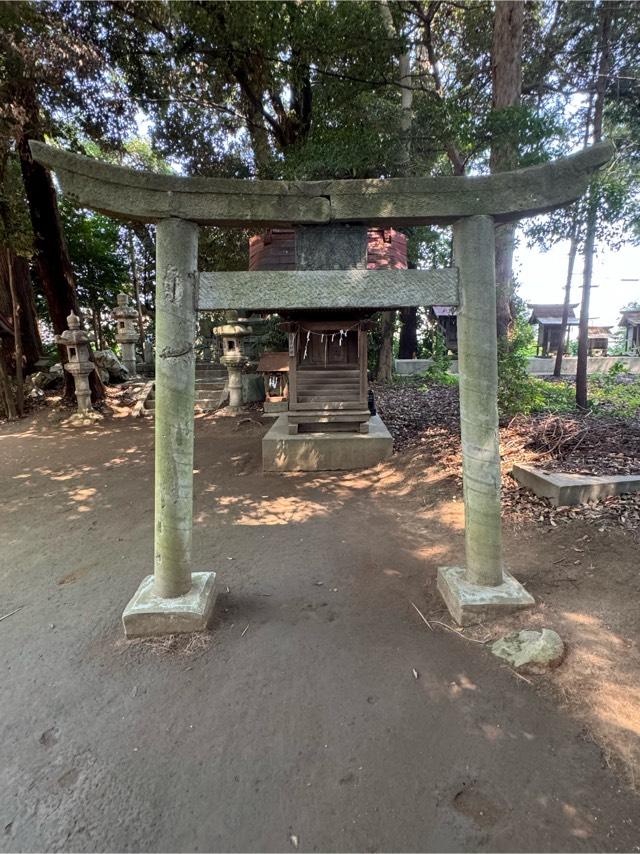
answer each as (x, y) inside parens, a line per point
(328, 387)
(630, 322)
(274, 368)
(548, 318)
(446, 318)
(328, 383)
(598, 340)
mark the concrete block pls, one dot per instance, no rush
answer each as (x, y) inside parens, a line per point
(148, 614)
(564, 490)
(407, 367)
(282, 451)
(473, 603)
(275, 407)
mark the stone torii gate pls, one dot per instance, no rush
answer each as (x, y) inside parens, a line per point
(175, 599)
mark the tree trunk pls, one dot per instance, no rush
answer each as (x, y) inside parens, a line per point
(30, 334)
(408, 345)
(17, 337)
(506, 75)
(573, 248)
(385, 361)
(51, 257)
(402, 161)
(606, 12)
(6, 395)
(136, 287)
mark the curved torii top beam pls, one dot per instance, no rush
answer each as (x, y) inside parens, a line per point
(148, 197)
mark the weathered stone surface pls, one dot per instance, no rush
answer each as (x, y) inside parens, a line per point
(252, 388)
(148, 197)
(406, 367)
(566, 490)
(149, 613)
(505, 196)
(176, 298)
(145, 196)
(109, 362)
(531, 651)
(331, 247)
(328, 289)
(474, 603)
(324, 451)
(46, 379)
(473, 249)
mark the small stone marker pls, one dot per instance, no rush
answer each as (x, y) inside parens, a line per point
(531, 651)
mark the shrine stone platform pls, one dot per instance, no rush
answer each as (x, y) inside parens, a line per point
(324, 451)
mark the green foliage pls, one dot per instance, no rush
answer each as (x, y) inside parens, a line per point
(515, 390)
(613, 394)
(98, 260)
(438, 372)
(275, 339)
(520, 393)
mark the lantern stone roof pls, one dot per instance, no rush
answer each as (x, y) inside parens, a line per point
(550, 314)
(274, 363)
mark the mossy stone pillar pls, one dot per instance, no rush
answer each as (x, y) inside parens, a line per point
(473, 249)
(481, 589)
(173, 599)
(176, 300)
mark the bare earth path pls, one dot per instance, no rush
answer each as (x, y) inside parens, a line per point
(301, 720)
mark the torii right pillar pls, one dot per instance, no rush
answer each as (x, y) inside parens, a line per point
(482, 589)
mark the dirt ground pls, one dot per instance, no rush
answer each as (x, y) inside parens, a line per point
(298, 722)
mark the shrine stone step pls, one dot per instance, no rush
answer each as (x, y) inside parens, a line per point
(202, 385)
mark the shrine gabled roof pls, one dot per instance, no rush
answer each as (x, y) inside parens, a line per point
(444, 310)
(555, 321)
(274, 363)
(550, 314)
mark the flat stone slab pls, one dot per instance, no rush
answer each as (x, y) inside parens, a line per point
(149, 615)
(530, 650)
(570, 489)
(475, 603)
(324, 451)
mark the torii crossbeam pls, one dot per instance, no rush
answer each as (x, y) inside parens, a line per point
(175, 599)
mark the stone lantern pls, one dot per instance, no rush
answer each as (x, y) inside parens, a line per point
(233, 356)
(127, 333)
(76, 341)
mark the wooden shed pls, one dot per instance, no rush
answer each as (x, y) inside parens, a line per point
(630, 322)
(446, 318)
(548, 318)
(598, 340)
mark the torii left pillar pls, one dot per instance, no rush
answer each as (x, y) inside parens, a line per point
(174, 599)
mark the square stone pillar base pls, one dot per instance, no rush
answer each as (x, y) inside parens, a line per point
(148, 614)
(473, 603)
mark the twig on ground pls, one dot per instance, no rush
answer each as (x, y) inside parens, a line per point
(422, 616)
(246, 629)
(11, 613)
(459, 632)
(520, 676)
